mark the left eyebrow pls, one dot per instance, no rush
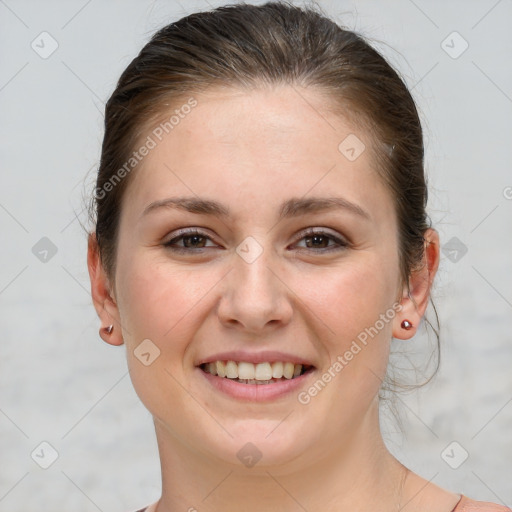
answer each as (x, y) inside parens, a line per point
(299, 206)
(291, 208)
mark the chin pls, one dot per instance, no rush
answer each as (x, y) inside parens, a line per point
(263, 444)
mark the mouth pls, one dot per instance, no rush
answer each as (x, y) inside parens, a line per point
(264, 373)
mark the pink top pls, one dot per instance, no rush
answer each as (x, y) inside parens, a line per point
(465, 504)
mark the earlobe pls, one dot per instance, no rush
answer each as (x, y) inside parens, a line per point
(406, 325)
(105, 305)
(415, 298)
(407, 320)
(106, 334)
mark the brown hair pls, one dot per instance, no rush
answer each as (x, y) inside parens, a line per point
(247, 46)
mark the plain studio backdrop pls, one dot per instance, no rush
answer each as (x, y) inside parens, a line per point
(74, 435)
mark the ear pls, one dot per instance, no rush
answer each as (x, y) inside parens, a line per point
(103, 299)
(415, 300)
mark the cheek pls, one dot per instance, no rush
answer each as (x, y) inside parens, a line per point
(163, 305)
(349, 299)
(156, 299)
(348, 303)
(352, 303)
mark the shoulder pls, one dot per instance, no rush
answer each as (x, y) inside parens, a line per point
(469, 505)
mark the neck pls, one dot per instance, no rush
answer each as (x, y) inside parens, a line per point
(358, 474)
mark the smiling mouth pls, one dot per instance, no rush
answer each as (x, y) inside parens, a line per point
(261, 373)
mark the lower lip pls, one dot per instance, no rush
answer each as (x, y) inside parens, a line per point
(256, 392)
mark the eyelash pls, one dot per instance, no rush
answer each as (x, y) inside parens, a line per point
(182, 234)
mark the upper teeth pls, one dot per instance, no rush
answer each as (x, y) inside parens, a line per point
(260, 371)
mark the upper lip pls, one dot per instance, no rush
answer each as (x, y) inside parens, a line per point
(255, 357)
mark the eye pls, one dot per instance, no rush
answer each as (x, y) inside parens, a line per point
(192, 240)
(316, 240)
(319, 239)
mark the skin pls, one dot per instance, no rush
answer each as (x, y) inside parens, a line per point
(251, 151)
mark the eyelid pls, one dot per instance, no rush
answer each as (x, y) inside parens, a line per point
(320, 231)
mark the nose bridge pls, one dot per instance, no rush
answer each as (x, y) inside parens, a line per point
(254, 296)
(254, 278)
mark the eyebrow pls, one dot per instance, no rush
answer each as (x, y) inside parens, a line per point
(291, 208)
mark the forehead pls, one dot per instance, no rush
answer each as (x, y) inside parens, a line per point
(258, 147)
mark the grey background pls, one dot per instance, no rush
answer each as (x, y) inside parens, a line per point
(61, 384)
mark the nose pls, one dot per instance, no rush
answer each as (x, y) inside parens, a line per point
(255, 296)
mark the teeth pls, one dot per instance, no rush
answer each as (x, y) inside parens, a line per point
(245, 370)
(288, 370)
(277, 370)
(263, 371)
(231, 370)
(221, 368)
(249, 373)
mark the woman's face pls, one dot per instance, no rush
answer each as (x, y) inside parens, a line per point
(255, 285)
